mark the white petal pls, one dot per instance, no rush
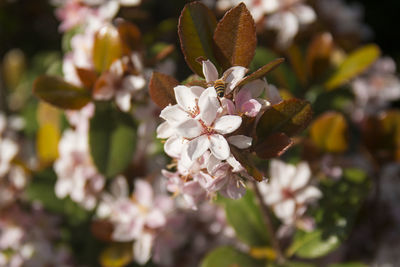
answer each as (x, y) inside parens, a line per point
(142, 248)
(305, 14)
(210, 71)
(227, 124)
(155, 219)
(285, 210)
(164, 130)
(174, 115)
(212, 164)
(240, 141)
(123, 99)
(190, 128)
(236, 166)
(133, 83)
(186, 97)
(208, 104)
(119, 187)
(143, 193)
(198, 147)
(236, 74)
(308, 194)
(272, 94)
(174, 146)
(219, 146)
(302, 176)
(282, 173)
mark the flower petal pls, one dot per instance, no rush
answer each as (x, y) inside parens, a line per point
(208, 104)
(210, 71)
(282, 173)
(272, 94)
(174, 114)
(302, 176)
(174, 146)
(142, 248)
(236, 74)
(123, 99)
(308, 195)
(251, 108)
(219, 146)
(186, 97)
(285, 210)
(227, 124)
(164, 130)
(198, 147)
(190, 128)
(143, 193)
(240, 141)
(304, 13)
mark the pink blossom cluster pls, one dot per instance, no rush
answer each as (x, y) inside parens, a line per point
(77, 177)
(13, 177)
(137, 217)
(200, 132)
(27, 238)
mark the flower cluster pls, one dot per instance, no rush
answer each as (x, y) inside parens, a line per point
(200, 132)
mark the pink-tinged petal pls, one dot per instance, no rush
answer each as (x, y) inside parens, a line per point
(210, 71)
(229, 106)
(143, 193)
(142, 248)
(256, 87)
(236, 74)
(251, 108)
(155, 219)
(208, 104)
(227, 124)
(242, 97)
(285, 210)
(219, 146)
(302, 176)
(186, 98)
(272, 95)
(234, 189)
(217, 183)
(236, 166)
(204, 179)
(240, 141)
(198, 147)
(282, 173)
(123, 100)
(174, 146)
(308, 195)
(213, 164)
(174, 114)
(164, 130)
(190, 128)
(119, 187)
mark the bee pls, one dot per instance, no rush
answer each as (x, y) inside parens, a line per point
(220, 84)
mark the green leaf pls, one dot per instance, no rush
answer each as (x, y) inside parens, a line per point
(289, 117)
(356, 63)
(107, 47)
(228, 257)
(261, 72)
(112, 139)
(349, 264)
(235, 37)
(59, 93)
(329, 132)
(291, 264)
(313, 244)
(196, 27)
(161, 89)
(244, 215)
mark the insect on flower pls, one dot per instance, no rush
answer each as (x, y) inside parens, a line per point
(220, 84)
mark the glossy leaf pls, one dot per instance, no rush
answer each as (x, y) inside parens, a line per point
(47, 140)
(261, 72)
(297, 61)
(88, 77)
(130, 36)
(235, 37)
(59, 93)
(273, 146)
(289, 117)
(112, 140)
(244, 215)
(161, 89)
(329, 132)
(349, 264)
(245, 159)
(292, 264)
(356, 63)
(107, 47)
(116, 255)
(195, 29)
(319, 53)
(228, 257)
(312, 245)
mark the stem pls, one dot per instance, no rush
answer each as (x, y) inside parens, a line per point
(268, 222)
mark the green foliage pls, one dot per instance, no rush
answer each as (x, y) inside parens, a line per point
(356, 63)
(112, 139)
(229, 257)
(59, 93)
(349, 264)
(244, 215)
